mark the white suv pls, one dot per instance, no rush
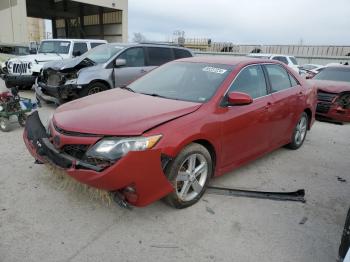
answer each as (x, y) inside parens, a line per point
(23, 70)
(286, 59)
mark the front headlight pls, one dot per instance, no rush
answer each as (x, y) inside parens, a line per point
(9, 65)
(114, 148)
(30, 65)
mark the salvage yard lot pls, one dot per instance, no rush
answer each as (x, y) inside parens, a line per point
(39, 221)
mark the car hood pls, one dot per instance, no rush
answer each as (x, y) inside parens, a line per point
(331, 86)
(119, 112)
(39, 58)
(69, 64)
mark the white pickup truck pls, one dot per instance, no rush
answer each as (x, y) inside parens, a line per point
(23, 70)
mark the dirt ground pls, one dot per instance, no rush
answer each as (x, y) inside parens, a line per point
(39, 221)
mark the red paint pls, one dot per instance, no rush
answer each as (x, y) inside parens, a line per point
(237, 134)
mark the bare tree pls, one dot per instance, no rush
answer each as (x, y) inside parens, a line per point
(139, 38)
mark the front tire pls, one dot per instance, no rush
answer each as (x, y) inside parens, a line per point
(189, 173)
(93, 88)
(299, 133)
(4, 124)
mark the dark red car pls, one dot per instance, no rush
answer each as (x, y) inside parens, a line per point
(169, 132)
(333, 84)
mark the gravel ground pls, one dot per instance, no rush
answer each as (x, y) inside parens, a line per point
(41, 222)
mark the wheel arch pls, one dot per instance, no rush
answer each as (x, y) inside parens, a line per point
(102, 82)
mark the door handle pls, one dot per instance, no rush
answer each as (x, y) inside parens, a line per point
(143, 71)
(300, 93)
(268, 105)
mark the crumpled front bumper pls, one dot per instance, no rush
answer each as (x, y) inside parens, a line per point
(140, 170)
(56, 94)
(335, 113)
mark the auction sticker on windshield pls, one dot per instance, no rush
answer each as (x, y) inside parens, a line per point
(214, 70)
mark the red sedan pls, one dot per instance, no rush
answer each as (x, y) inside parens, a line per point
(333, 84)
(169, 132)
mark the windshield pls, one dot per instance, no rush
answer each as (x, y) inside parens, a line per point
(334, 74)
(54, 47)
(195, 82)
(103, 53)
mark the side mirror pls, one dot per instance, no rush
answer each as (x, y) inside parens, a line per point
(76, 53)
(239, 99)
(120, 62)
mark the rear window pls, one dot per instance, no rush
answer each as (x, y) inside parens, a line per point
(159, 55)
(281, 59)
(95, 44)
(181, 53)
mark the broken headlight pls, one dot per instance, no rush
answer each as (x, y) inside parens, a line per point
(115, 148)
(344, 100)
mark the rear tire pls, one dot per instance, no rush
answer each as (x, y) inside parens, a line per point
(93, 88)
(189, 173)
(299, 133)
(4, 124)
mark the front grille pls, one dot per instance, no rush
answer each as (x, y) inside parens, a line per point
(323, 108)
(76, 151)
(20, 68)
(327, 97)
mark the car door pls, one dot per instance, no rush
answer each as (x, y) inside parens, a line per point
(286, 107)
(246, 128)
(134, 68)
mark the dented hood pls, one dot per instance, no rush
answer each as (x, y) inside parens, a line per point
(119, 112)
(331, 86)
(69, 64)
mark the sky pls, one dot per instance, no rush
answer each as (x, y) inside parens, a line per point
(244, 21)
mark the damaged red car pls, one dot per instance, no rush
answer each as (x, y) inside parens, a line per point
(168, 133)
(333, 84)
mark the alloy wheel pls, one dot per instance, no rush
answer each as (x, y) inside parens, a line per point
(192, 176)
(301, 130)
(94, 90)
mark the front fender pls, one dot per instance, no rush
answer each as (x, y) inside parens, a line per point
(87, 76)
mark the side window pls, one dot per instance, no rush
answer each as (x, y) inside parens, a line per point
(181, 53)
(80, 47)
(281, 59)
(251, 80)
(134, 57)
(93, 45)
(293, 80)
(159, 55)
(279, 78)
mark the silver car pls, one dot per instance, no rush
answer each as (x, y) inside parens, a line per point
(104, 67)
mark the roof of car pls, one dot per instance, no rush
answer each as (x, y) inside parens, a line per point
(266, 54)
(75, 40)
(226, 60)
(148, 44)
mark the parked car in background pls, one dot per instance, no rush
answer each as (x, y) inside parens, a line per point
(310, 70)
(333, 84)
(291, 61)
(8, 51)
(105, 67)
(175, 128)
(23, 70)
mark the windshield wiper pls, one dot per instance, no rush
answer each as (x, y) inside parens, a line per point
(127, 88)
(157, 95)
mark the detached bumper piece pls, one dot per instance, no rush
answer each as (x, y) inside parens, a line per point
(39, 140)
(63, 92)
(19, 80)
